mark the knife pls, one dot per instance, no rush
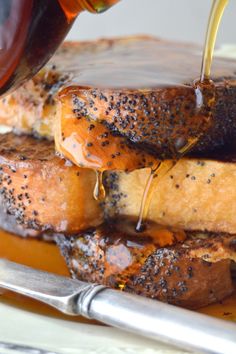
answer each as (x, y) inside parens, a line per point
(150, 318)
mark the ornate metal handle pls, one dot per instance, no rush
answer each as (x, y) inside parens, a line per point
(69, 296)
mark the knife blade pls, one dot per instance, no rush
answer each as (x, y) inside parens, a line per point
(150, 318)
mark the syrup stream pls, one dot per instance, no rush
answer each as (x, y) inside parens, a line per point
(217, 11)
(155, 176)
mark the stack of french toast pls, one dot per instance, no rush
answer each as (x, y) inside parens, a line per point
(104, 115)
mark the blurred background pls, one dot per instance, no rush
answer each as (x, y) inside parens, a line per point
(184, 20)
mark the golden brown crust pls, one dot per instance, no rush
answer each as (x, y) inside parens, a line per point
(42, 191)
(135, 264)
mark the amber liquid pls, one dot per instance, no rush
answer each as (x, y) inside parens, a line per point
(217, 11)
(39, 255)
(99, 192)
(155, 175)
(31, 31)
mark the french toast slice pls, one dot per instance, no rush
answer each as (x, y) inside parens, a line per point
(182, 274)
(139, 89)
(42, 192)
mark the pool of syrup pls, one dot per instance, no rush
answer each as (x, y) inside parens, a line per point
(39, 255)
(46, 256)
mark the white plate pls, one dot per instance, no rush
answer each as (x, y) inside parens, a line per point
(25, 332)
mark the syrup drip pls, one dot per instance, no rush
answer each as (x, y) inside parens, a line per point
(190, 144)
(72, 8)
(155, 176)
(98, 5)
(217, 11)
(99, 192)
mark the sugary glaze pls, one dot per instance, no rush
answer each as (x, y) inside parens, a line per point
(136, 63)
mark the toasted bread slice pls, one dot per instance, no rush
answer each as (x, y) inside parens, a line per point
(139, 88)
(44, 192)
(41, 191)
(136, 264)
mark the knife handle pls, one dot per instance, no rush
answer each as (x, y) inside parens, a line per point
(142, 316)
(164, 322)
